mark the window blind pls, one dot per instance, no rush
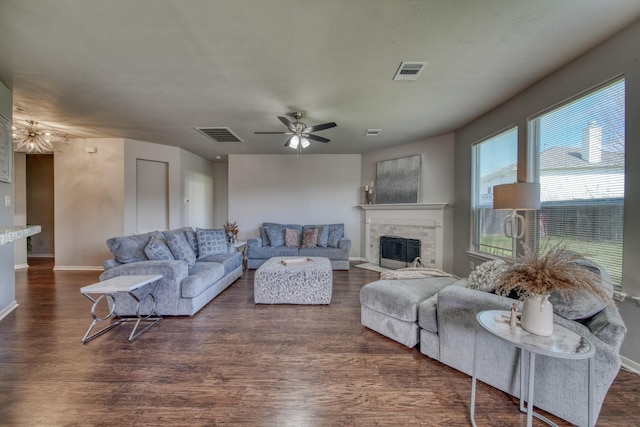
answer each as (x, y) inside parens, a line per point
(580, 164)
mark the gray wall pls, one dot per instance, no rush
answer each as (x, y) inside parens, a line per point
(309, 189)
(20, 207)
(7, 276)
(619, 55)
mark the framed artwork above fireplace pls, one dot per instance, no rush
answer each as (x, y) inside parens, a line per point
(397, 180)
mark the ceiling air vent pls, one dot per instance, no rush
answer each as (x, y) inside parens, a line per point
(372, 132)
(219, 134)
(410, 70)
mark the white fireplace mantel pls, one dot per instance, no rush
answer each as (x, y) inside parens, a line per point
(431, 223)
(405, 206)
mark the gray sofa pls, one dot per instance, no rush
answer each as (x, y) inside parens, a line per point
(284, 240)
(196, 266)
(443, 311)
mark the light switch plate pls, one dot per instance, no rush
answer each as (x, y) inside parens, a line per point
(7, 200)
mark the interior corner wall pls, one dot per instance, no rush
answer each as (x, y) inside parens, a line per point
(89, 201)
(309, 189)
(220, 194)
(617, 56)
(20, 207)
(7, 272)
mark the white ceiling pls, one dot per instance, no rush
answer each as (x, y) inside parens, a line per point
(152, 70)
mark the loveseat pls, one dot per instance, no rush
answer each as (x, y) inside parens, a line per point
(443, 312)
(284, 240)
(196, 266)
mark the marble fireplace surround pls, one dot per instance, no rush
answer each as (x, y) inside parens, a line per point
(427, 222)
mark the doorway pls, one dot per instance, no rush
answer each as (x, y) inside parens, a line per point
(40, 204)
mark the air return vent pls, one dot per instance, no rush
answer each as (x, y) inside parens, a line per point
(410, 70)
(219, 134)
(372, 132)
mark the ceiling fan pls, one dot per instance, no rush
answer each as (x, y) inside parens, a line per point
(300, 132)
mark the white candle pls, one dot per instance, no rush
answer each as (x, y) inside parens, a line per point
(366, 188)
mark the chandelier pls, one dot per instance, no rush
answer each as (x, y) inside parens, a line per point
(30, 139)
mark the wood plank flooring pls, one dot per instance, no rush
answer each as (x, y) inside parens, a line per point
(236, 364)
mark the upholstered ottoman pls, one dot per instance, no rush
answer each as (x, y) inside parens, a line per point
(297, 282)
(390, 307)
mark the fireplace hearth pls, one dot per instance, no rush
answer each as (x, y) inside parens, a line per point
(398, 252)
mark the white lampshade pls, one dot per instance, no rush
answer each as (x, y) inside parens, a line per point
(304, 142)
(294, 141)
(518, 196)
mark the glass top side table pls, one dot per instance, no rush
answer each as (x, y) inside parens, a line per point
(562, 344)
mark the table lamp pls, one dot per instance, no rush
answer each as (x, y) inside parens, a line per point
(519, 196)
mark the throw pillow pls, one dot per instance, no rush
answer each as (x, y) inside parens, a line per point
(292, 237)
(310, 238)
(157, 249)
(181, 249)
(189, 235)
(211, 242)
(276, 235)
(336, 232)
(130, 248)
(263, 233)
(583, 304)
(484, 277)
(323, 234)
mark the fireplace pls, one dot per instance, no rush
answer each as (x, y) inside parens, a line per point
(398, 252)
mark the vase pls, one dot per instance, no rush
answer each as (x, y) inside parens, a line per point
(537, 315)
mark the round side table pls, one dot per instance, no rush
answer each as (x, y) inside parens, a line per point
(562, 344)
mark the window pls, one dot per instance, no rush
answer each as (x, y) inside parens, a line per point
(580, 164)
(494, 162)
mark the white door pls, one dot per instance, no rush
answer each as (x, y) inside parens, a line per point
(152, 196)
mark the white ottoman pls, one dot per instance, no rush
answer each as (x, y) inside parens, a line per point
(308, 282)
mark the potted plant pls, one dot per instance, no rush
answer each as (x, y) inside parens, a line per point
(539, 273)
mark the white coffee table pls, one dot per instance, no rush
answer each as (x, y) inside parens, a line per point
(107, 289)
(562, 344)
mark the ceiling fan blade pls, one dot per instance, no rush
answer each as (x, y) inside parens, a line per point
(322, 126)
(287, 123)
(317, 138)
(274, 133)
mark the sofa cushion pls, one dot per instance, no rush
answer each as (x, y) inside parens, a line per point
(201, 276)
(157, 249)
(276, 235)
(190, 236)
(181, 249)
(292, 237)
(582, 304)
(127, 249)
(336, 232)
(229, 261)
(211, 242)
(428, 310)
(310, 238)
(323, 234)
(331, 253)
(400, 298)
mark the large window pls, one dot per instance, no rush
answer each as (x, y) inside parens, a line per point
(580, 166)
(494, 162)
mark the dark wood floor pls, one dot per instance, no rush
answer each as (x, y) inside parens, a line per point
(235, 363)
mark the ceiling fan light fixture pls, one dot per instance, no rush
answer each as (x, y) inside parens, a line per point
(304, 142)
(294, 141)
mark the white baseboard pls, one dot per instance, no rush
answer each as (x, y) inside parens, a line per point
(20, 266)
(40, 255)
(8, 309)
(78, 268)
(630, 365)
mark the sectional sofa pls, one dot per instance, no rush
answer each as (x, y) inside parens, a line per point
(439, 313)
(196, 266)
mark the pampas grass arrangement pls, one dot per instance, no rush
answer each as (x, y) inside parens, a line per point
(546, 269)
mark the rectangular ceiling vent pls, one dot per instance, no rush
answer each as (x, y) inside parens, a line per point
(372, 132)
(410, 70)
(219, 134)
